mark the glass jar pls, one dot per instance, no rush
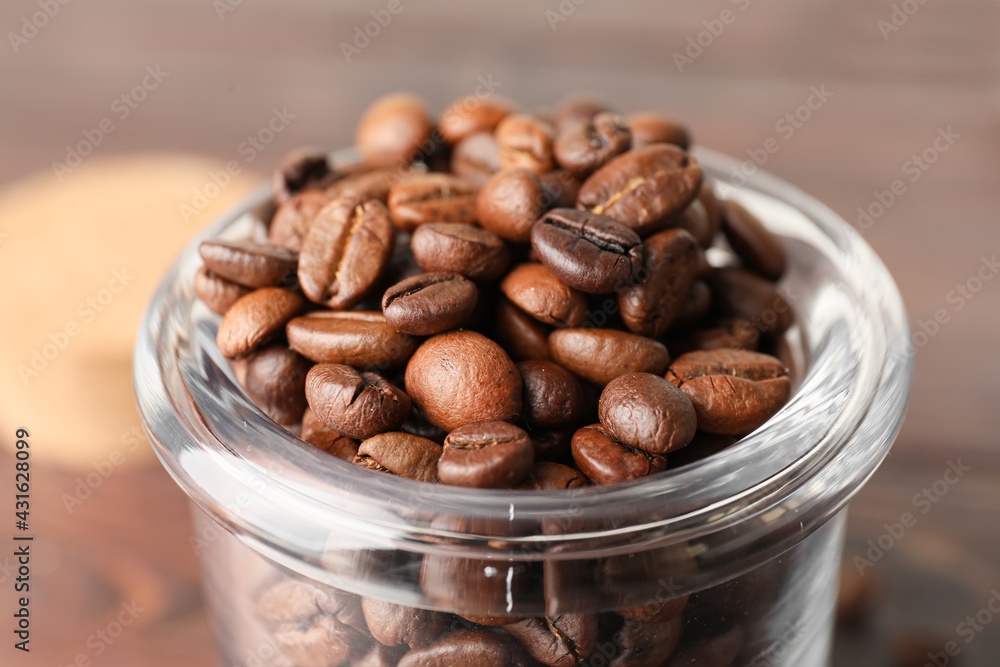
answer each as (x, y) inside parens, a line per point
(310, 561)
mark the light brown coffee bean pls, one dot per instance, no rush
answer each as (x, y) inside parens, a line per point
(606, 460)
(753, 242)
(532, 288)
(486, 455)
(475, 253)
(553, 397)
(401, 454)
(216, 292)
(671, 265)
(655, 128)
(393, 131)
(249, 264)
(276, 381)
(510, 202)
(472, 115)
(254, 318)
(293, 218)
(359, 405)
(429, 303)
(525, 142)
(321, 436)
(298, 170)
(356, 338)
(601, 355)
(476, 158)
(521, 335)
(646, 411)
(289, 601)
(432, 197)
(394, 624)
(324, 643)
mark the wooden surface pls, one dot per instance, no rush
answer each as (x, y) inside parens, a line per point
(890, 99)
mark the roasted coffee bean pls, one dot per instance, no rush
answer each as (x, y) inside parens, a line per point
(655, 128)
(417, 424)
(550, 476)
(625, 577)
(487, 455)
(356, 338)
(372, 184)
(601, 355)
(551, 445)
(521, 335)
(510, 202)
(643, 187)
(695, 221)
(739, 293)
(476, 158)
(719, 650)
(393, 624)
(646, 644)
(559, 188)
(535, 290)
(553, 397)
(671, 266)
(645, 411)
(289, 601)
(471, 115)
(429, 303)
(525, 142)
(576, 108)
(475, 253)
(381, 655)
(432, 198)
(321, 436)
(585, 146)
(694, 308)
(293, 218)
(713, 207)
(589, 252)
(393, 131)
(733, 334)
(400, 454)
(254, 318)
(606, 460)
(733, 391)
(561, 641)
(324, 643)
(492, 621)
(753, 242)
(298, 170)
(216, 292)
(249, 264)
(358, 405)
(468, 648)
(461, 377)
(276, 380)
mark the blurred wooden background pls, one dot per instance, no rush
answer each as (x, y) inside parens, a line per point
(231, 63)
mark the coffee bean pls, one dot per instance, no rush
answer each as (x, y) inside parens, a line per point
(671, 265)
(429, 303)
(393, 131)
(645, 411)
(708, 199)
(601, 355)
(574, 109)
(732, 333)
(293, 218)
(475, 253)
(694, 308)
(753, 242)
(720, 650)
(358, 405)
(551, 445)
(606, 460)
(695, 221)
(510, 202)
(254, 318)
(559, 188)
(553, 397)
(476, 158)
(297, 171)
(324, 643)
(525, 142)
(643, 187)
(401, 454)
(646, 644)
(733, 391)
(276, 380)
(561, 641)
(432, 198)
(589, 144)
(321, 436)
(471, 115)
(248, 264)
(380, 656)
(355, 338)
(549, 476)
(468, 648)
(461, 377)
(535, 290)
(486, 455)
(345, 252)
(394, 624)
(655, 128)
(289, 601)
(739, 293)
(371, 184)
(216, 292)
(521, 335)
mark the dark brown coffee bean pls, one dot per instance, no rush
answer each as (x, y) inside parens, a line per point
(380, 655)
(293, 218)
(655, 128)
(550, 476)
(606, 460)
(753, 242)
(254, 318)
(525, 142)
(601, 355)
(719, 650)
(356, 338)
(589, 252)
(532, 288)
(475, 253)
(216, 292)
(645, 411)
(646, 644)
(731, 334)
(324, 643)
(510, 202)
(695, 221)
(402, 454)
(733, 391)
(429, 303)
(249, 264)
(589, 144)
(393, 131)
(461, 377)
(561, 641)
(321, 436)
(472, 115)
(694, 308)
(576, 108)
(553, 397)
(476, 158)
(739, 293)
(432, 198)
(393, 624)
(559, 188)
(486, 455)
(297, 171)
(671, 266)
(359, 405)
(371, 184)
(521, 335)
(468, 648)
(276, 381)
(551, 445)
(643, 187)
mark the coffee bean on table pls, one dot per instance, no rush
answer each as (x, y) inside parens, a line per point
(249, 264)
(739, 293)
(216, 292)
(358, 405)
(356, 338)
(400, 454)
(589, 252)
(322, 643)
(606, 460)
(429, 303)
(551, 476)
(646, 644)
(432, 198)
(733, 391)
(488, 455)
(393, 131)
(468, 648)
(655, 128)
(276, 380)
(671, 265)
(601, 355)
(521, 335)
(254, 318)
(510, 202)
(321, 436)
(553, 397)
(753, 242)
(298, 170)
(525, 142)
(476, 158)
(647, 412)
(393, 624)
(475, 253)
(560, 641)
(588, 144)
(535, 290)
(293, 218)
(471, 115)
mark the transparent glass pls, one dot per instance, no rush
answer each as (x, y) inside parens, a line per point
(731, 560)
